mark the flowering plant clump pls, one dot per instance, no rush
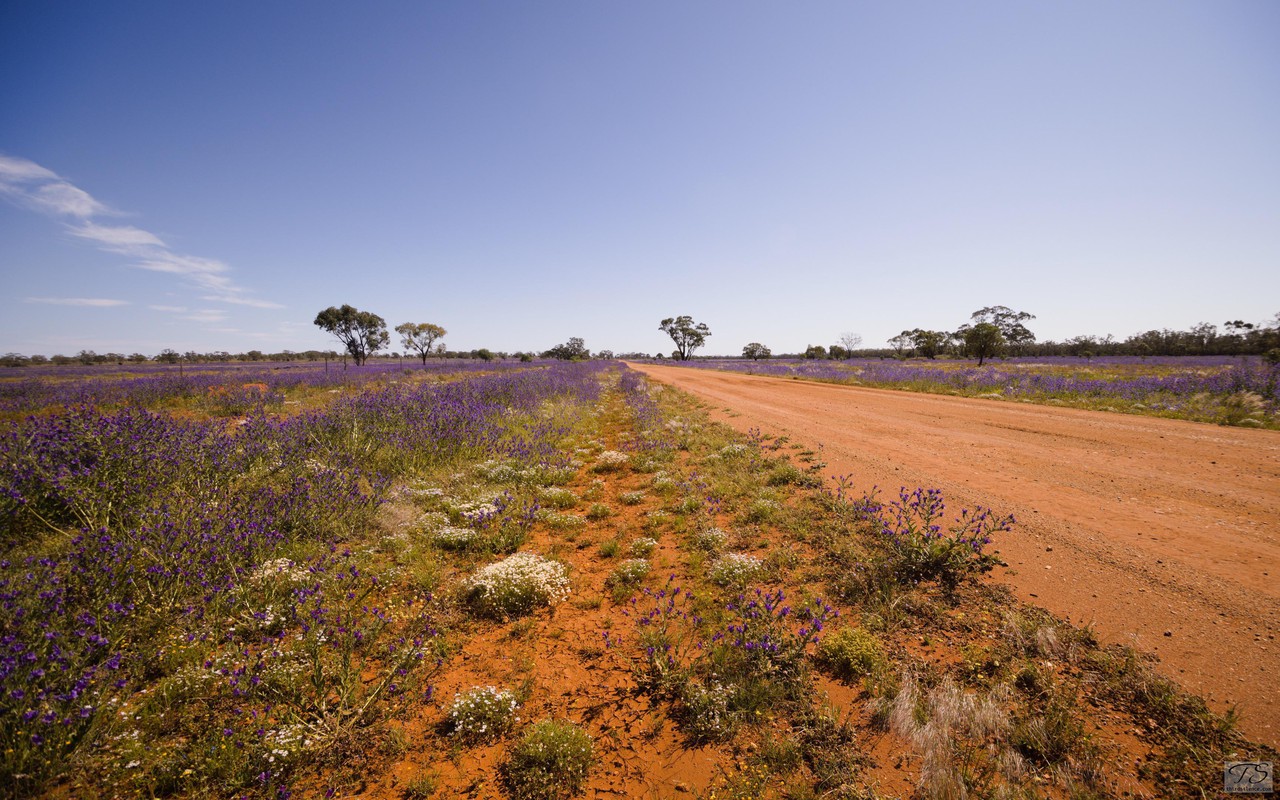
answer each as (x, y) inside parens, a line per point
(734, 569)
(629, 573)
(710, 539)
(632, 498)
(922, 549)
(611, 460)
(454, 538)
(517, 585)
(755, 656)
(561, 522)
(663, 483)
(852, 653)
(550, 761)
(642, 547)
(558, 497)
(707, 715)
(483, 713)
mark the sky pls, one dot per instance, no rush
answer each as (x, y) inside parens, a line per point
(209, 176)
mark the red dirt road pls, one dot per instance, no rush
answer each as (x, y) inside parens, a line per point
(1161, 533)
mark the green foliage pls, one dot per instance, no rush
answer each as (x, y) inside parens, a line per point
(628, 574)
(852, 653)
(361, 332)
(420, 337)
(815, 351)
(687, 335)
(756, 351)
(573, 350)
(983, 340)
(599, 511)
(929, 343)
(1008, 322)
(550, 761)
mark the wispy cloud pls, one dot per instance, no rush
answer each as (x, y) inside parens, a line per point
(241, 301)
(170, 309)
(120, 239)
(207, 315)
(96, 302)
(44, 190)
(34, 186)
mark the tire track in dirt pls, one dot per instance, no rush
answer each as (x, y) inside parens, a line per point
(1163, 534)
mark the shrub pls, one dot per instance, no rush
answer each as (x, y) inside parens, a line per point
(454, 538)
(558, 497)
(629, 572)
(550, 761)
(706, 714)
(483, 713)
(561, 522)
(516, 585)
(632, 498)
(611, 461)
(923, 550)
(852, 653)
(734, 569)
(642, 547)
(712, 540)
(599, 511)
(762, 511)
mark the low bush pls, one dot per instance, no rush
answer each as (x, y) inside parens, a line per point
(550, 761)
(734, 570)
(852, 653)
(516, 585)
(483, 713)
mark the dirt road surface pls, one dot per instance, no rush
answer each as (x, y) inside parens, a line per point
(1163, 534)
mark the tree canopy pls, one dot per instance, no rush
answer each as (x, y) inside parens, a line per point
(420, 337)
(983, 340)
(687, 334)
(1008, 322)
(756, 351)
(361, 332)
(573, 350)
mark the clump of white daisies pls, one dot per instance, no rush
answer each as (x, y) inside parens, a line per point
(734, 569)
(516, 585)
(483, 713)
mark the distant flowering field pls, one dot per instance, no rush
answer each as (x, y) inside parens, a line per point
(1222, 389)
(220, 386)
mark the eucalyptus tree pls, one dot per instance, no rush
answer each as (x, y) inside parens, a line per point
(420, 337)
(687, 334)
(361, 332)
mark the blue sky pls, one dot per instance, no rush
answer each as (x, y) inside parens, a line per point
(209, 176)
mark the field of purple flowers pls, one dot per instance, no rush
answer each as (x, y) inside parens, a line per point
(1218, 389)
(160, 573)
(218, 388)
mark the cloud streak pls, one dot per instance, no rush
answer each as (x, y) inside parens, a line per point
(95, 302)
(31, 185)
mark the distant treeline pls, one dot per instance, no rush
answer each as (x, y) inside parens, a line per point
(1235, 338)
(1232, 339)
(89, 357)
